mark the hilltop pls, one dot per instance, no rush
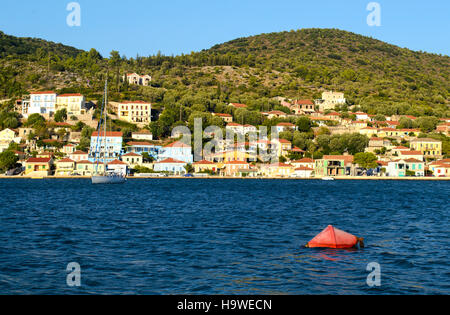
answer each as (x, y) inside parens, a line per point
(380, 77)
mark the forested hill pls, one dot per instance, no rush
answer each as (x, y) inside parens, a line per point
(298, 64)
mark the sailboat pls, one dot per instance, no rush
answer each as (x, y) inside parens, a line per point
(105, 177)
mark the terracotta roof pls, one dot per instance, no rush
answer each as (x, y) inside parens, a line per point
(286, 125)
(203, 162)
(304, 160)
(236, 163)
(284, 141)
(142, 143)
(345, 158)
(413, 161)
(88, 162)
(108, 134)
(38, 160)
(117, 162)
(136, 102)
(425, 140)
(70, 94)
(222, 115)
(303, 102)
(79, 153)
(66, 160)
(177, 144)
(170, 160)
(411, 153)
(238, 105)
(45, 92)
(234, 125)
(132, 154)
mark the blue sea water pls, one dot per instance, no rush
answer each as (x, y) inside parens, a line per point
(191, 236)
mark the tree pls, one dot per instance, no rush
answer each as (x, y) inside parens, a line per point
(61, 115)
(304, 124)
(7, 160)
(34, 119)
(366, 160)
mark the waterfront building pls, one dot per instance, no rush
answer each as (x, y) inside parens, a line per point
(279, 170)
(78, 156)
(177, 151)
(132, 159)
(416, 166)
(305, 162)
(113, 145)
(396, 168)
(38, 166)
(235, 168)
(88, 168)
(440, 168)
(334, 165)
(65, 167)
(430, 148)
(118, 167)
(170, 165)
(303, 172)
(141, 147)
(205, 165)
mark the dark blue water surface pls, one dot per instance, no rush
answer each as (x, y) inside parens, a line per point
(163, 236)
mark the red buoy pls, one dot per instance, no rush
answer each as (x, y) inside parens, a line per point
(335, 238)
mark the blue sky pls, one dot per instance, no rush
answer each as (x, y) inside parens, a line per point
(180, 26)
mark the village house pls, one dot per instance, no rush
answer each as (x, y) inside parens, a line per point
(38, 166)
(72, 103)
(236, 128)
(136, 79)
(281, 127)
(416, 166)
(8, 136)
(440, 168)
(143, 135)
(68, 149)
(278, 170)
(305, 162)
(79, 156)
(302, 107)
(303, 172)
(109, 151)
(132, 159)
(334, 165)
(43, 103)
(118, 167)
(64, 167)
(170, 165)
(177, 151)
(283, 146)
(226, 117)
(396, 168)
(88, 168)
(376, 143)
(237, 105)
(135, 112)
(330, 100)
(430, 148)
(235, 168)
(276, 114)
(204, 166)
(444, 128)
(412, 155)
(368, 131)
(141, 147)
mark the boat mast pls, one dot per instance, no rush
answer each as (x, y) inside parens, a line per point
(105, 122)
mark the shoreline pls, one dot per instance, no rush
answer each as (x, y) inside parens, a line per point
(339, 178)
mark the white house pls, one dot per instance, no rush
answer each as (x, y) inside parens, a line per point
(177, 151)
(118, 167)
(170, 165)
(42, 103)
(303, 172)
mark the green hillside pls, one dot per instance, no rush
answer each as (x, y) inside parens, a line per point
(380, 77)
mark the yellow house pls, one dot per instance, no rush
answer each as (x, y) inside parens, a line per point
(229, 156)
(132, 159)
(38, 166)
(205, 165)
(65, 167)
(369, 131)
(283, 146)
(87, 168)
(7, 136)
(428, 147)
(73, 103)
(136, 112)
(279, 170)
